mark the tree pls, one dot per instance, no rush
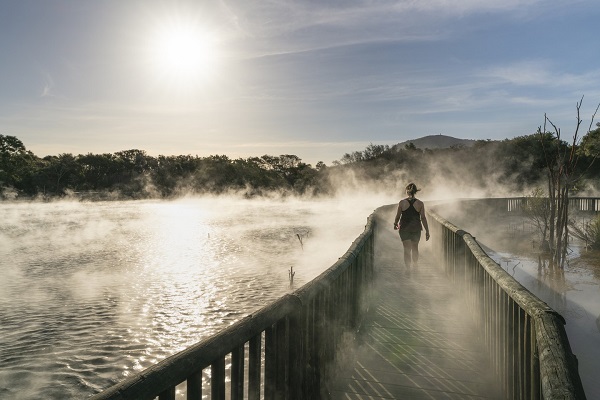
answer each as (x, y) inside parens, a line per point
(17, 164)
(590, 143)
(99, 171)
(58, 172)
(561, 167)
(286, 165)
(354, 157)
(588, 232)
(172, 172)
(136, 160)
(536, 209)
(521, 161)
(374, 151)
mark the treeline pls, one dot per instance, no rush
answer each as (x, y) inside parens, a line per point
(515, 166)
(135, 174)
(518, 164)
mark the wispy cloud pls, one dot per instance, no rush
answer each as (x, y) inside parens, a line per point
(289, 15)
(540, 73)
(48, 86)
(320, 24)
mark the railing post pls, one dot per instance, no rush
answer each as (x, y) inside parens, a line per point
(536, 383)
(254, 350)
(356, 286)
(298, 365)
(194, 386)
(282, 359)
(217, 379)
(317, 343)
(237, 373)
(168, 394)
(513, 348)
(270, 363)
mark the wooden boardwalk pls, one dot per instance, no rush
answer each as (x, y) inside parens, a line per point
(416, 341)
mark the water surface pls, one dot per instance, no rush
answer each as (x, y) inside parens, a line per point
(94, 291)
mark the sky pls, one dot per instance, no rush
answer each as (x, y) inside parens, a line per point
(314, 78)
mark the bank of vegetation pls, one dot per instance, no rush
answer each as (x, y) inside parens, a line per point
(517, 165)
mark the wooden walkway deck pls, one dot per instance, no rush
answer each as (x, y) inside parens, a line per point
(416, 341)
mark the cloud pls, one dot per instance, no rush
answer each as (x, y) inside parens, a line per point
(539, 73)
(48, 86)
(289, 15)
(287, 26)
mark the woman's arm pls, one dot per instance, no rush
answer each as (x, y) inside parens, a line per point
(424, 221)
(398, 214)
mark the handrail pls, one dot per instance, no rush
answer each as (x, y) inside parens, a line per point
(525, 338)
(516, 204)
(293, 340)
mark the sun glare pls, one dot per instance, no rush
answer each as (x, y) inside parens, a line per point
(184, 54)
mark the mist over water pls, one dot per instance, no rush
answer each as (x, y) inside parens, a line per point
(93, 292)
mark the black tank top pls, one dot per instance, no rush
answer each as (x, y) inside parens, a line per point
(410, 219)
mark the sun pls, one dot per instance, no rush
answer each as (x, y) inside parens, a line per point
(183, 53)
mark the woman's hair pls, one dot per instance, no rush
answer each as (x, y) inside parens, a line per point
(412, 188)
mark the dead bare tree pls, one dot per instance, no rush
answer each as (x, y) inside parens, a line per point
(537, 211)
(561, 163)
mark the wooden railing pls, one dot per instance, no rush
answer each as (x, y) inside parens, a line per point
(526, 339)
(283, 351)
(577, 204)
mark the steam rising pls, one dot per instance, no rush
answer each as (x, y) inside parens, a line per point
(98, 290)
(418, 331)
(94, 291)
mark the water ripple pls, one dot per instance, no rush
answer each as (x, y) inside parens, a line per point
(95, 292)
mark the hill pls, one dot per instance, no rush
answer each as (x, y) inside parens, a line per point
(436, 142)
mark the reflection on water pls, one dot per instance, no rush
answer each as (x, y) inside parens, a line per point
(93, 292)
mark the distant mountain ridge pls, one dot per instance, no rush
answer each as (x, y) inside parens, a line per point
(436, 142)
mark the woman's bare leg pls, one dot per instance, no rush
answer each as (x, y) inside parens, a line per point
(407, 244)
(415, 252)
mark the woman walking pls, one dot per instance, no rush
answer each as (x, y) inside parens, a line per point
(410, 220)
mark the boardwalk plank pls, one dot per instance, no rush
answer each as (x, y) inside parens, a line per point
(416, 342)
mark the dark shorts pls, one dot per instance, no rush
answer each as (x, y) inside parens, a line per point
(415, 236)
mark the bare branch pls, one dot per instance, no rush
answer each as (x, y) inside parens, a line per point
(593, 117)
(572, 156)
(556, 129)
(579, 120)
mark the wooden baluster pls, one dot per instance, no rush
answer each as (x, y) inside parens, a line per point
(217, 380)
(270, 363)
(282, 346)
(168, 394)
(237, 373)
(194, 386)
(254, 366)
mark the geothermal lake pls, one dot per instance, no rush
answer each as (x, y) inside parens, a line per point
(92, 292)
(95, 291)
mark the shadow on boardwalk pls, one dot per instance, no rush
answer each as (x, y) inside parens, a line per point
(416, 341)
